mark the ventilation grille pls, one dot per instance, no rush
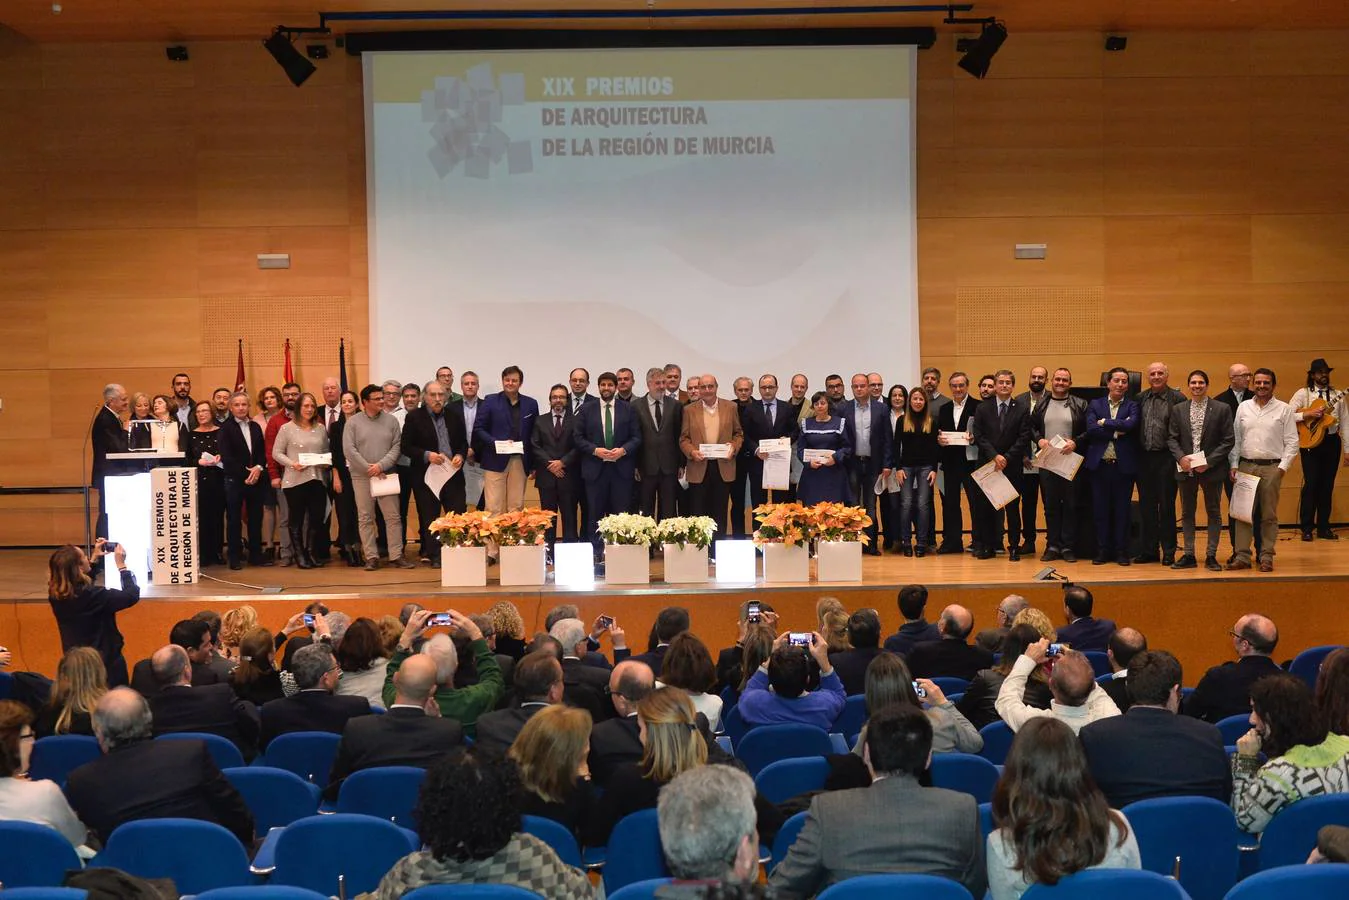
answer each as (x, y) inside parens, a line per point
(1003, 321)
(313, 324)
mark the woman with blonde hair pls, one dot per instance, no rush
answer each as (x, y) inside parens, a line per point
(80, 681)
(255, 679)
(1037, 620)
(390, 630)
(824, 606)
(510, 629)
(834, 630)
(234, 624)
(551, 752)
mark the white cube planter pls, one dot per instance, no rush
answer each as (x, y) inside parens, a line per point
(685, 565)
(784, 563)
(524, 564)
(627, 564)
(463, 566)
(838, 561)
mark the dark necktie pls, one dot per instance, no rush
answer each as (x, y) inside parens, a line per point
(658, 405)
(1002, 408)
(557, 427)
(608, 426)
(768, 411)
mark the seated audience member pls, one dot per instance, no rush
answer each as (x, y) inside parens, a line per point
(1332, 845)
(234, 624)
(1083, 632)
(864, 634)
(22, 800)
(509, 627)
(407, 735)
(707, 826)
(823, 607)
(139, 778)
(834, 630)
(688, 665)
(212, 708)
(538, 685)
(1078, 699)
(550, 752)
(255, 679)
(468, 819)
(80, 681)
(217, 661)
(1225, 690)
(593, 655)
(464, 705)
(916, 629)
(789, 702)
(296, 634)
(1150, 751)
(758, 647)
(1305, 758)
(952, 656)
(1124, 645)
(1037, 620)
(1050, 819)
(583, 684)
(489, 634)
(194, 637)
(360, 656)
(314, 707)
(670, 621)
(893, 826)
(616, 741)
(991, 638)
(979, 704)
(1332, 691)
(889, 682)
(729, 673)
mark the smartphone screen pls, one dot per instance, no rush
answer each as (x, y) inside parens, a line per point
(308, 620)
(1054, 650)
(918, 689)
(800, 638)
(752, 613)
(606, 621)
(439, 619)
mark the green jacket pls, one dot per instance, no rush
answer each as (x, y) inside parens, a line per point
(464, 705)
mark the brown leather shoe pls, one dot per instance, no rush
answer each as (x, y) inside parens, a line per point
(1266, 565)
(1236, 564)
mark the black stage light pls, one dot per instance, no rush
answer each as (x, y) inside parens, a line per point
(976, 60)
(316, 51)
(283, 51)
(176, 53)
(1116, 42)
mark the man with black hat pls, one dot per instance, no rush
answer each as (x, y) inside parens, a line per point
(1319, 409)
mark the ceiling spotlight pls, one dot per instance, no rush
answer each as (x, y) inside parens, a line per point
(965, 44)
(283, 51)
(316, 51)
(176, 53)
(1116, 42)
(976, 59)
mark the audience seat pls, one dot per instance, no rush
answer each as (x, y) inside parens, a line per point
(853, 716)
(1234, 727)
(261, 892)
(1324, 881)
(787, 778)
(1291, 834)
(1100, 662)
(1094, 884)
(997, 741)
(308, 754)
(770, 743)
(313, 852)
(785, 838)
(55, 757)
(470, 892)
(986, 820)
(641, 890)
(634, 851)
(724, 742)
(274, 796)
(388, 792)
(950, 684)
(197, 855)
(6, 685)
(1200, 831)
(34, 855)
(1307, 664)
(555, 835)
(222, 750)
(968, 773)
(733, 725)
(888, 887)
(44, 893)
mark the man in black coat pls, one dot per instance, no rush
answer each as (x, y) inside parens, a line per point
(916, 629)
(403, 736)
(616, 741)
(1150, 751)
(582, 684)
(139, 778)
(434, 434)
(538, 683)
(315, 707)
(1226, 690)
(108, 435)
(952, 656)
(1125, 644)
(557, 467)
(212, 709)
(660, 418)
(864, 633)
(670, 622)
(244, 457)
(194, 637)
(767, 418)
(1083, 631)
(957, 461)
(1002, 433)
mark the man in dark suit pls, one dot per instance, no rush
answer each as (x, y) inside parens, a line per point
(1157, 467)
(1083, 632)
(1239, 389)
(403, 736)
(1002, 432)
(552, 446)
(896, 825)
(1063, 417)
(1031, 399)
(213, 709)
(740, 484)
(1225, 690)
(504, 416)
(195, 639)
(951, 656)
(864, 633)
(315, 707)
(670, 622)
(659, 420)
(616, 741)
(767, 418)
(578, 399)
(434, 434)
(916, 629)
(957, 461)
(1124, 645)
(244, 457)
(868, 421)
(1202, 425)
(1111, 459)
(108, 435)
(139, 778)
(1150, 751)
(583, 685)
(538, 683)
(607, 439)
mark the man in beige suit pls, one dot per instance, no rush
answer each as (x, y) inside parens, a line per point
(710, 421)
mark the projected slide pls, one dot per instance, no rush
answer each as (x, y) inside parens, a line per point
(737, 211)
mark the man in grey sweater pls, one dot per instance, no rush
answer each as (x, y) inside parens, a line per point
(371, 441)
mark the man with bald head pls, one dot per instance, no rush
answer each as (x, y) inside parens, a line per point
(1124, 645)
(1077, 699)
(951, 656)
(1225, 690)
(1157, 468)
(411, 733)
(208, 708)
(710, 421)
(464, 704)
(616, 741)
(991, 638)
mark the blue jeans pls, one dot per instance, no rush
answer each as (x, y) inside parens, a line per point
(915, 494)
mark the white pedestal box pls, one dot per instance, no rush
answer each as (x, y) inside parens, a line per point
(463, 566)
(685, 565)
(838, 561)
(524, 564)
(627, 564)
(783, 563)
(735, 562)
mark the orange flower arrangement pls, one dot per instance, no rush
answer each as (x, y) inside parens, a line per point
(840, 522)
(467, 529)
(795, 525)
(521, 526)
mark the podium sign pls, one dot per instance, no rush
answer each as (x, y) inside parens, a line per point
(173, 525)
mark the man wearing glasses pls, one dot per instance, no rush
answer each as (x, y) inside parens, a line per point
(1226, 690)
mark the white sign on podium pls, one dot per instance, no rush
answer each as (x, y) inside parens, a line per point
(153, 515)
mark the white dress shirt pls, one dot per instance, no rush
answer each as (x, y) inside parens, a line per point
(1265, 432)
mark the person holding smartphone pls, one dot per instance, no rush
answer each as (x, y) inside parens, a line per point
(786, 671)
(1078, 699)
(86, 613)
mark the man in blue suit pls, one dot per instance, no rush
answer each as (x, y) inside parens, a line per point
(1112, 459)
(607, 439)
(868, 423)
(504, 416)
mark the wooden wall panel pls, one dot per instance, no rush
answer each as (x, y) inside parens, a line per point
(1033, 112)
(1166, 250)
(1177, 112)
(1289, 249)
(1177, 181)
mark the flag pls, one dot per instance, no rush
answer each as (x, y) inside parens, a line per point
(239, 372)
(289, 374)
(342, 362)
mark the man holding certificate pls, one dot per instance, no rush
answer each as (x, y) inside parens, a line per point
(823, 446)
(1200, 438)
(371, 443)
(1058, 424)
(1265, 445)
(501, 433)
(1002, 433)
(710, 433)
(435, 441)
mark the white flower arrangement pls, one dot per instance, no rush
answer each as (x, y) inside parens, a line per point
(683, 530)
(626, 528)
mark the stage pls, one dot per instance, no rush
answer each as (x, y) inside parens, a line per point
(1188, 612)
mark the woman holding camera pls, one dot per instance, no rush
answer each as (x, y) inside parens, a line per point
(86, 614)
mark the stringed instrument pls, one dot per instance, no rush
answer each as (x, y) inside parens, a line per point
(1311, 432)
